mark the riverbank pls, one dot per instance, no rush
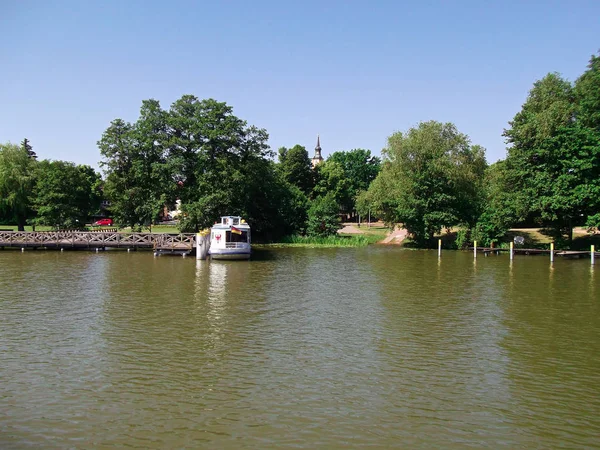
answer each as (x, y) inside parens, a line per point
(350, 235)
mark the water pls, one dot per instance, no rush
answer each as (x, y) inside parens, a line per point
(300, 348)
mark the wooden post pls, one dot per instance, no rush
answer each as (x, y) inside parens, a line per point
(474, 249)
(551, 251)
(593, 254)
(439, 248)
(512, 251)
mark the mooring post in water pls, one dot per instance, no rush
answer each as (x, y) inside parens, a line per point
(439, 248)
(512, 250)
(592, 254)
(551, 251)
(198, 251)
(474, 249)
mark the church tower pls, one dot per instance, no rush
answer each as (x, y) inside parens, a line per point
(317, 158)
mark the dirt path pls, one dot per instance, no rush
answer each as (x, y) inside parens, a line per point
(393, 238)
(350, 229)
(396, 236)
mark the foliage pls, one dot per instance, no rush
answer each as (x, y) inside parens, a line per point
(463, 237)
(593, 223)
(331, 179)
(17, 177)
(137, 177)
(198, 151)
(328, 241)
(65, 195)
(323, 216)
(587, 95)
(25, 145)
(295, 167)
(431, 178)
(552, 170)
(500, 208)
(359, 169)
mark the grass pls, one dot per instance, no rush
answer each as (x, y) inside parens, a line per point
(353, 240)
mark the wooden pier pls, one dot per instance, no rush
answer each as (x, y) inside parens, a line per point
(161, 243)
(573, 254)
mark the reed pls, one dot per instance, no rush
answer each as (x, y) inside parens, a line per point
(329, 241)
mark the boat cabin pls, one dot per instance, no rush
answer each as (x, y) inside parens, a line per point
(230, 238)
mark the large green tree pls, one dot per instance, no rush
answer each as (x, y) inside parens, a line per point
(360, 169)
(65, 195)
(552, 166)
(331, 179)
(295, 167)
(587, 95)
(138, 181)
(17, 177)
(431, 178)
(199, 152)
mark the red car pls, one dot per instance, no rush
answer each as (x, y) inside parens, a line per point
(103, 222)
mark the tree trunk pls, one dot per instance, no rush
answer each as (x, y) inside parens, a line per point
(570, 232)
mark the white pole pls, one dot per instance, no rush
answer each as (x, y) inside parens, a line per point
(592, 255)
(474, 249)
(512, 251)
(552, 252)
(198, 241)
(439, 248)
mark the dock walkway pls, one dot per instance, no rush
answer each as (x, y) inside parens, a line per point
(160, 242)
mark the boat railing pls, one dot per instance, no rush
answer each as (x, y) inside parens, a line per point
(236, 245)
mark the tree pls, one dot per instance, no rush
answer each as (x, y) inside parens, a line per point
(138, 182)
(360, 169)
(552, 169)
(501, 209)
(27, 147)
(219, 161)
(587, 95)
(323, 216)
(65, 195)
(331, 179)
(431, 178)
(549, 106)
(295, 167)
(16, 181)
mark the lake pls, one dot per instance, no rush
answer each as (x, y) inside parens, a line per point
(374, 347)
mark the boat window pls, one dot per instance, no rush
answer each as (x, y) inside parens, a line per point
(235, 237)
(236, 221)
(224, 221)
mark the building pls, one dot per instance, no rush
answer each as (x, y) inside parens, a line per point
(317, 158)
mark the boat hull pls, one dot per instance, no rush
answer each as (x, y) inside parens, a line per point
(229, 254)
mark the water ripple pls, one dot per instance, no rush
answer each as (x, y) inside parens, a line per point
(307, 348)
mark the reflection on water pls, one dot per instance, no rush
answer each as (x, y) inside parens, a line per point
(305, 348)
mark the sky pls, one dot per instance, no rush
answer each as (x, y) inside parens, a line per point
(353, 72)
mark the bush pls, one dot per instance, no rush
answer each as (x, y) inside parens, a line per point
(463, 238)
(323, 217)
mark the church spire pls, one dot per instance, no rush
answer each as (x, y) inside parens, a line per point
(317, 158)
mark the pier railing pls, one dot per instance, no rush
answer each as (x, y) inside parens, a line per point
(87, 239)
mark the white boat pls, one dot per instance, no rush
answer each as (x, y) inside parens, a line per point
(230, 239)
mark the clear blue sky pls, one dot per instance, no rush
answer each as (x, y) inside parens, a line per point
(352, 71)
